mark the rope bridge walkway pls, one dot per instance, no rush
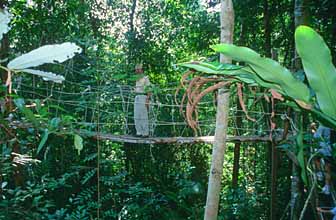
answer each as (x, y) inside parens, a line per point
(113, 104)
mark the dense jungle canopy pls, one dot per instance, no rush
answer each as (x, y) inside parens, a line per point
(68, 100)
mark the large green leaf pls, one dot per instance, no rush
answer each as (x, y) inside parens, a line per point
(43, 141)
(324, 118)
(29, 114)
(212, 67)
(244, 74)
(300, 156)
(78, 142)
(320, 71)
(268, 70)
(45, 54)
(47, 76)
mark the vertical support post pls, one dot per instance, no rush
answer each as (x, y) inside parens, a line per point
(236, 158)
(216, 170)
(274, 167)
(274, 181)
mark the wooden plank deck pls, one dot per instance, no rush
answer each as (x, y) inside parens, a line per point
(171, 140)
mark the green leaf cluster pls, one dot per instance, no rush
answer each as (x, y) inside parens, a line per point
(265, 72)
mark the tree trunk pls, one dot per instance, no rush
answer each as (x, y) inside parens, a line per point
(132, 14)
(301, 16)
(274, 173)
(267, 26)
(216, 170)
(132, 33)
(4, 49)
(301, 12)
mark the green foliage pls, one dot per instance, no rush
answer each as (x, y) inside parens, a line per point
(45, 54)
(301, 156)
(143, 182)
(238, 203)
(43, 141)
(268, 70)
(88, 176)
(81, 212)
(39, 56)
(263, 71)
(270, 74)
(31, 201)
(318, 66)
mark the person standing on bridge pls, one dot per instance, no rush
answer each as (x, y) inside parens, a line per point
(141, 103)
(325, 137)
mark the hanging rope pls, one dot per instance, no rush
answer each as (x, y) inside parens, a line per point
(98, 153)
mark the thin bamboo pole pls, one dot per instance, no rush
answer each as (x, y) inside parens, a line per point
(216, 170)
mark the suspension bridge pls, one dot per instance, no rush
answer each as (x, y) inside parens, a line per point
(109, 108)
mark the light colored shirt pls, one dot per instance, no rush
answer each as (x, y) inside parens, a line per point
(333, 211)
(141, 84)
(323, 133)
